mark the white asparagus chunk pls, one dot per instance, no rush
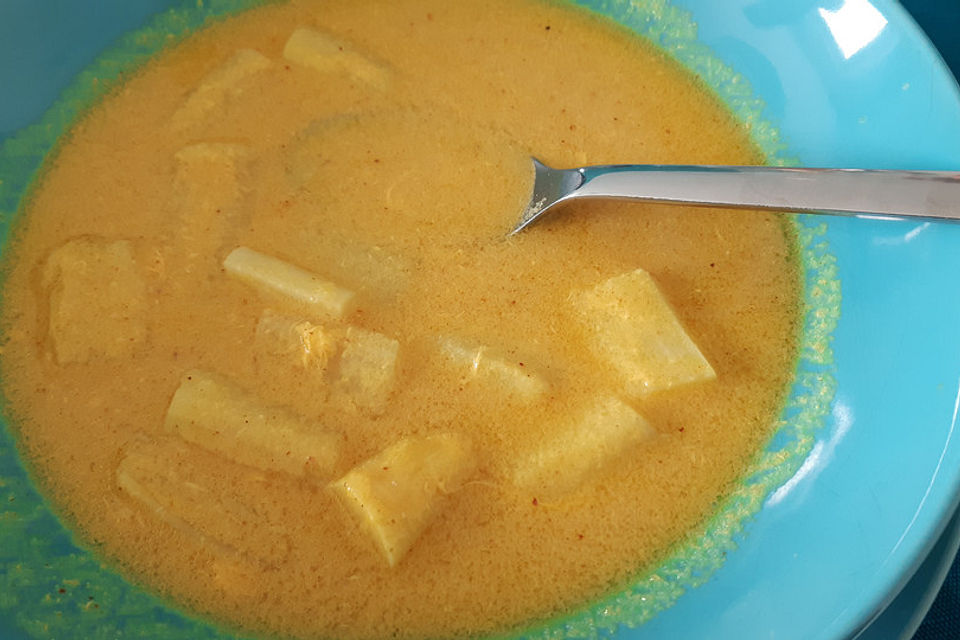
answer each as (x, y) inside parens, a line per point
(97, 300)
(633, 329)
(210, 191)
(211, 174)
(304, 154)
(171, 486)
(222, 418)
(368, 369)
(219, 86)
(326, 54)
(582, 448)
(288, 282)
(495, 371)
(376, 272)
(309, 344)
(396, 494)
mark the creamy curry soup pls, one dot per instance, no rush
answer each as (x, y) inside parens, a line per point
(271, 351)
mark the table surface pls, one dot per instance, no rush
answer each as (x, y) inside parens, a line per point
(940, 19)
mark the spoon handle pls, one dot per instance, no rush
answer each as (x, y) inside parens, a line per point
(927, 194)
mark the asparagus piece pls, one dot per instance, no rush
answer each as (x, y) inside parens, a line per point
(632, 328)
(582, 448)
(211, 195)
(223, 83)
(396, 494)
(290, 283)
(511, 378)
(170, 483)
(368, 369)
(326, 54)
(222, 418)
(311, 345)
(97, 300)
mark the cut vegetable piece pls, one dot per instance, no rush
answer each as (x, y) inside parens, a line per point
(309, 344)
(298, 286)
(223, 83)
(368, 369)
(210, 190)
(311, 147)
(224, 419)
(326, 54)
(493, 370)
(633, 329)
(397, 493)
(581, 449)
(97, 300)
(377, 272)
(211, 174)
(172, 486)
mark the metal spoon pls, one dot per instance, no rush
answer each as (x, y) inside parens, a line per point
(852, 192)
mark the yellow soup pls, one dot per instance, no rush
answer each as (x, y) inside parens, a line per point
(269, 345)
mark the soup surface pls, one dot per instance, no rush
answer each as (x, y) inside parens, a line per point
(270, 349)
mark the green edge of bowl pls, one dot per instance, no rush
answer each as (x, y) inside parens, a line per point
(51, 587)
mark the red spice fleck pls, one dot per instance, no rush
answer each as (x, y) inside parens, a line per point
(681, 429)
(386, 468)
(535, 503)
(430, 17)
(579, 536)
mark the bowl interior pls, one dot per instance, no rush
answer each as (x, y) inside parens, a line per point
(852, 491)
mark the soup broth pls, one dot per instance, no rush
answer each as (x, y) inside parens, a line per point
(270, 349)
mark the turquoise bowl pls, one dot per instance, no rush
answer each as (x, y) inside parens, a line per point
(857, 486)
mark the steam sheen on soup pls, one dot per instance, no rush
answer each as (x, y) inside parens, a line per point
(269, 345)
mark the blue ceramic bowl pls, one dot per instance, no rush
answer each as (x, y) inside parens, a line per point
(855, 488)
